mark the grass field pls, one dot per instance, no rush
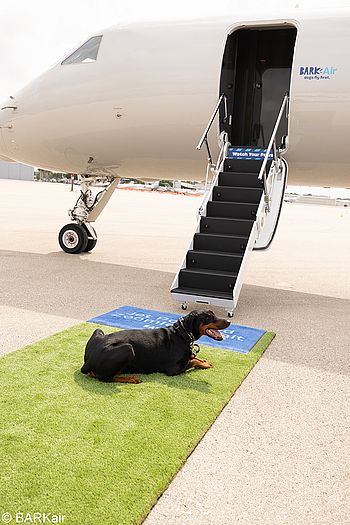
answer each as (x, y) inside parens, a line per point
(101, 453)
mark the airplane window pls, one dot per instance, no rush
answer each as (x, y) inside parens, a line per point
(85, 53)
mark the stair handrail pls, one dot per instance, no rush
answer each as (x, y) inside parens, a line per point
(204, 137)
(272, 143)
(217, 167)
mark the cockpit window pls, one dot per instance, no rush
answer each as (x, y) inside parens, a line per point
(85, 53)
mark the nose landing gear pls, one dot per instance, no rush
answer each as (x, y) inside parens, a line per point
(80, 236)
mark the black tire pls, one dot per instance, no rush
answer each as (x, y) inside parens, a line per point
(90, 245)
(73, 238)
(91, 242)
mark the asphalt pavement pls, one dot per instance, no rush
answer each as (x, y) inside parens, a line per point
(279, 453)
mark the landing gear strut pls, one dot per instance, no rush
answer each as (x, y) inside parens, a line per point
(80, 236)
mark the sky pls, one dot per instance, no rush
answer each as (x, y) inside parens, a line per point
(35, 34)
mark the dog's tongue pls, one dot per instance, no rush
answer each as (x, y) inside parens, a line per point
(214, 334)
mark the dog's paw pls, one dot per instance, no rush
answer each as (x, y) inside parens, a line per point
(134, 380)
(206, 364)
(201, 363)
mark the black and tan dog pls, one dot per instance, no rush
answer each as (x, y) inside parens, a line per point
(168, 350)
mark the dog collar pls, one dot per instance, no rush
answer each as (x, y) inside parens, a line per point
(194, 347)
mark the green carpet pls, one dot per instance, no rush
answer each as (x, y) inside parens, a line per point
(101, 453)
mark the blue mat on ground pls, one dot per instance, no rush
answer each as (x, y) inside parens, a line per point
(237, 338)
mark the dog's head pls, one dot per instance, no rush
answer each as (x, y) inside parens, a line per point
(205, 323)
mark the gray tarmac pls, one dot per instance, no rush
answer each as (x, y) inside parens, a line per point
(279, 453)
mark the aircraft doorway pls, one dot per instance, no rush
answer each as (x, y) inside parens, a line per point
(255, 76)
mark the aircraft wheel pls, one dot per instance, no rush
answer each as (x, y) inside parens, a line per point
(73, 238)
(91, 242)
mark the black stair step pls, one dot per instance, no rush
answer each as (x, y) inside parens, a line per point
(246, 180)
(220, 243)
(207, 279)
(220, 261)
(236, 194)
(234, 210)
(203, 293)
(245, 166)
(227, 226)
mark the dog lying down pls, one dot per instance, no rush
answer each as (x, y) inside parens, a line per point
(169, 350)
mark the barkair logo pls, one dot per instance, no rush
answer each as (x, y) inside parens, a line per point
(317, 73)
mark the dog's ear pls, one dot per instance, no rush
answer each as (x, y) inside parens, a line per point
(189, 320)
(210, 317)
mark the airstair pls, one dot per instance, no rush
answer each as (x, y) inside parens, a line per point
(239, 213)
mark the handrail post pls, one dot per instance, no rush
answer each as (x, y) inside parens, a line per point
(266, 196)
(204, 138)
(272, 145)
(206, 178)
(226, 148)
(273, 136)
(210, 160)
(211, 120)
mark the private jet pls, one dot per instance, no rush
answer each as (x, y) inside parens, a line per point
(244, 101)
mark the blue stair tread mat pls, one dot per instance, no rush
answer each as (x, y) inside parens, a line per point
(247, 153)
(236, 338)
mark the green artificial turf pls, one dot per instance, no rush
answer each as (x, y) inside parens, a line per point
(101, 453)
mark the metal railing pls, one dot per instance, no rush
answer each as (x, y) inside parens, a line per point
(204, 138)
(272, 144)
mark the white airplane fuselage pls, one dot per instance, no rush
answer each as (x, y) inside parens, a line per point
(141, 107)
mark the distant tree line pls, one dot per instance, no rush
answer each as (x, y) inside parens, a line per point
(48, 176)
